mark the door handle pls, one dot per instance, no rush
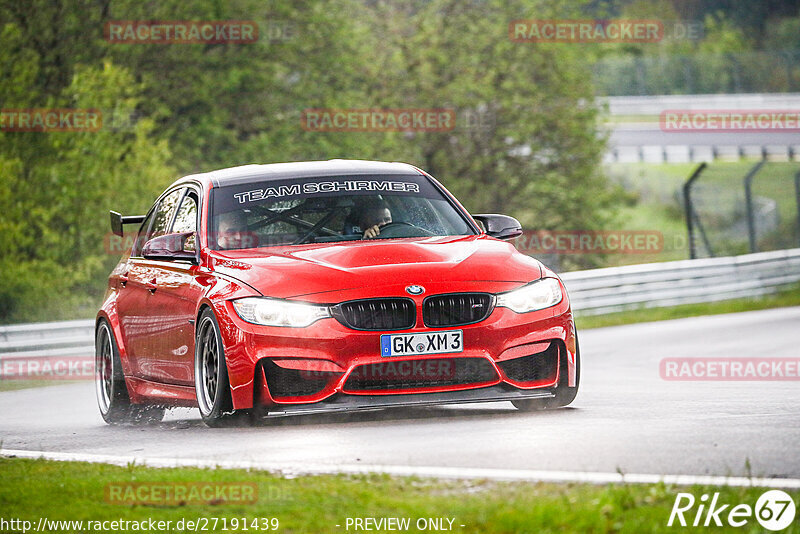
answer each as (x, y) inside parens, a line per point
(151, 285)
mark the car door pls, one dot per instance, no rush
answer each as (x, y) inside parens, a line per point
(173, 302)
(137, 284)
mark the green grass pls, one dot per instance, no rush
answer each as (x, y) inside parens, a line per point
(624, 119)
(643, 175)
(775, 179)
(656, 208)
(790, 297)
(658, 217)
(30, 489)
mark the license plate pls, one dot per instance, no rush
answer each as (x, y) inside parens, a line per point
(428, 343)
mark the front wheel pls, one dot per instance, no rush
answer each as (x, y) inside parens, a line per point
(564, 394)
(112, 393)
(211, 383)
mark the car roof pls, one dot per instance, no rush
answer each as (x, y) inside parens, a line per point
(299, 169)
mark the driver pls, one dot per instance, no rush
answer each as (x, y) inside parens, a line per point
(231, 230)
(374, 215)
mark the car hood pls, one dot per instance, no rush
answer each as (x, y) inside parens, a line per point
(348, 270)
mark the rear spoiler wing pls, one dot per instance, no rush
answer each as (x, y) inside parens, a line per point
(117, 220)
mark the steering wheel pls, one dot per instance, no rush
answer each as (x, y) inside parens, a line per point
(403, 229)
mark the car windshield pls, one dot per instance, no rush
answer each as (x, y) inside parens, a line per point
(330, 209)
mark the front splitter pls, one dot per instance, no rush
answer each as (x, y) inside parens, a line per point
(352, 403)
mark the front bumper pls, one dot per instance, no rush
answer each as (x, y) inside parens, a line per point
(331, 367)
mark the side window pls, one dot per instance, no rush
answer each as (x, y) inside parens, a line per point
(166, 209)
(141, 237)
(186, 219)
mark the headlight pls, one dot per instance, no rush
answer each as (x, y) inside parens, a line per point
(279, 312)
(534, 296)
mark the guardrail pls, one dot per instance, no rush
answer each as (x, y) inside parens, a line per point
(592, 292)
(672, 283)
(653, 105)
(643, 141)
(65, 338)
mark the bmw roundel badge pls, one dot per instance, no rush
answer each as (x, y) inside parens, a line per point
(415, 290)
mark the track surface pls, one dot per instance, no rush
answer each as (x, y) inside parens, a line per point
(625, 417)
(651, 134)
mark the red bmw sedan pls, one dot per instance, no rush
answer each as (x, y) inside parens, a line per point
(326, 286)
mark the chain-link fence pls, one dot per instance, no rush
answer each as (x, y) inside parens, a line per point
(743, 207)
(775, 207)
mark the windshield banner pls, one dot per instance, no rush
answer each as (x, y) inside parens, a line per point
(232, 197)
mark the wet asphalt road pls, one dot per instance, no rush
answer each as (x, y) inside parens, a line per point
(626, 417)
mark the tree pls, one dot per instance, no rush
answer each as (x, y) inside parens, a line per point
(55, 199)
(526, 138)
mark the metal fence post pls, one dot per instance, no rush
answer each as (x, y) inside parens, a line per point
(748, 198)
(797, 199)
(689, 209)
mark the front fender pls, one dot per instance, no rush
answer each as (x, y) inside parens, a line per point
(241, 371)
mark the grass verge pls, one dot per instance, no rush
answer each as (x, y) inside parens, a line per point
(31, 489)
(789, 297)
(10, 384)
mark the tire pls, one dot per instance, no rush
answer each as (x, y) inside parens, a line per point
(112, 393)
(564, 394)
(211, 384)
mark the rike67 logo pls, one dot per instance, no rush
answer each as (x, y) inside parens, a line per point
(774, 510)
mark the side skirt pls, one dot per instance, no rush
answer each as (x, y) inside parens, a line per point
(147, 392)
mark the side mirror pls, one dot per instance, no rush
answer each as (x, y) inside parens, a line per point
(172, 247)
(499, 226)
